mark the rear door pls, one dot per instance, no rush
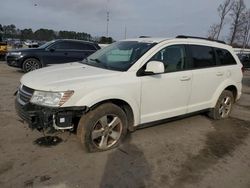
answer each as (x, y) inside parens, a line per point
(80, 50)
(207, 76)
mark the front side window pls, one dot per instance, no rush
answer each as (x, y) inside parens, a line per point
(173, 58)
(47, 44)
(225, 57)
(118, 56)
(203, 56)
(62, 46)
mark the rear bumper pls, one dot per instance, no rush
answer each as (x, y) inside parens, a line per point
(39, 117)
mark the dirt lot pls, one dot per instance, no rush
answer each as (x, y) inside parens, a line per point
(192, 152)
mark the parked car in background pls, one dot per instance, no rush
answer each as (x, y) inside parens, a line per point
(53, 52)
(103, 45)
(245, 59)
(17, 44)
(3, 47)
(33, 45)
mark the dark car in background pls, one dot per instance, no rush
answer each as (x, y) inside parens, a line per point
(245, 59)
(53, 52)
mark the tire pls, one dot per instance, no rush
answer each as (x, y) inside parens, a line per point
(223, 106)
(102, 128)
(31, 64)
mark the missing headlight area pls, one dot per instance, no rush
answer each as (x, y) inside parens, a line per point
(46, 118)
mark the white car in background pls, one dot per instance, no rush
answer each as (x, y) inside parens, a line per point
(131, 83)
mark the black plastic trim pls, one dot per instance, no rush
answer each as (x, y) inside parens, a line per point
(194, 37)
(40, 117)
(155, 123)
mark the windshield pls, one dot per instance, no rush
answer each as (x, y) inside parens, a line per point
(46, 44)
(118, 56)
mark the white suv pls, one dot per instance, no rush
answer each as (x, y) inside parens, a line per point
(131, 83)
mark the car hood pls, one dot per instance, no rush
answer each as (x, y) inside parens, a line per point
(65, 77)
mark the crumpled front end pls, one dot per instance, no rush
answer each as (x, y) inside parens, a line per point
(41, 117)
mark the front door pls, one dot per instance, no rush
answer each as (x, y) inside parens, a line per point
(166, 95)
(58, 53)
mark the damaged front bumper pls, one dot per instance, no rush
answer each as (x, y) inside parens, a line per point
(39, 117)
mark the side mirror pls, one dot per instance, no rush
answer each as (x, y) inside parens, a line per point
(155, 67)
(52, 49)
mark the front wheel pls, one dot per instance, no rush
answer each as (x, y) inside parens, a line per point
(223, 106)
(31, 64)
(102, 128)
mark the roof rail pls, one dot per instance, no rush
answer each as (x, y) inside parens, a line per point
(185, 37)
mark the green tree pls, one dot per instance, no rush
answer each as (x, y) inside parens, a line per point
(44, 34)
(105, 40)
(26, 34)
(9, 31)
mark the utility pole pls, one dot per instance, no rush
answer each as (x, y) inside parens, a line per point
(246, 33)
(125, 32)
(107, 31)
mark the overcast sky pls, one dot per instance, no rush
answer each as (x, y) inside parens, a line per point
(159, 18)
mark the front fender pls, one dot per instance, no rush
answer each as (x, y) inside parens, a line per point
(101, 95)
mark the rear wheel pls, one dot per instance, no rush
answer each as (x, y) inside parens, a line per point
(31, 64)
(102, 128)
(223, 106)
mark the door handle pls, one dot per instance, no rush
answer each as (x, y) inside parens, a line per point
(219, 73)
(185, 78)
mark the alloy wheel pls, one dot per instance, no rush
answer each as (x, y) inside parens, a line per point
(106, 132)
(225, 106)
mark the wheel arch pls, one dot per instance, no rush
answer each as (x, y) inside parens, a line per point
(230, 87)
(233, 89)
(125, 106)
(34, 57)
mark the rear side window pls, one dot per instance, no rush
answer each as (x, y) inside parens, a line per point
(68, 45)
(83, 46)
(89, 47)
(61, 45)
(225, 57)
(203, 56)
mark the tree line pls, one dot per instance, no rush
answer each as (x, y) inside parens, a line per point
(235, 16)
(11, 31)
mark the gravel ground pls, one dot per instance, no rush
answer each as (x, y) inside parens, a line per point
(191, 152)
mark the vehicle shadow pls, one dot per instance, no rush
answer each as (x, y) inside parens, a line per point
(126, 167)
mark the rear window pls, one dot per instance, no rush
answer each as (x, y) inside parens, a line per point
(225, 57)
(203, 56)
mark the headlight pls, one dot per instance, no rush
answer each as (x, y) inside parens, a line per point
(15, 53)
(53, 99)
